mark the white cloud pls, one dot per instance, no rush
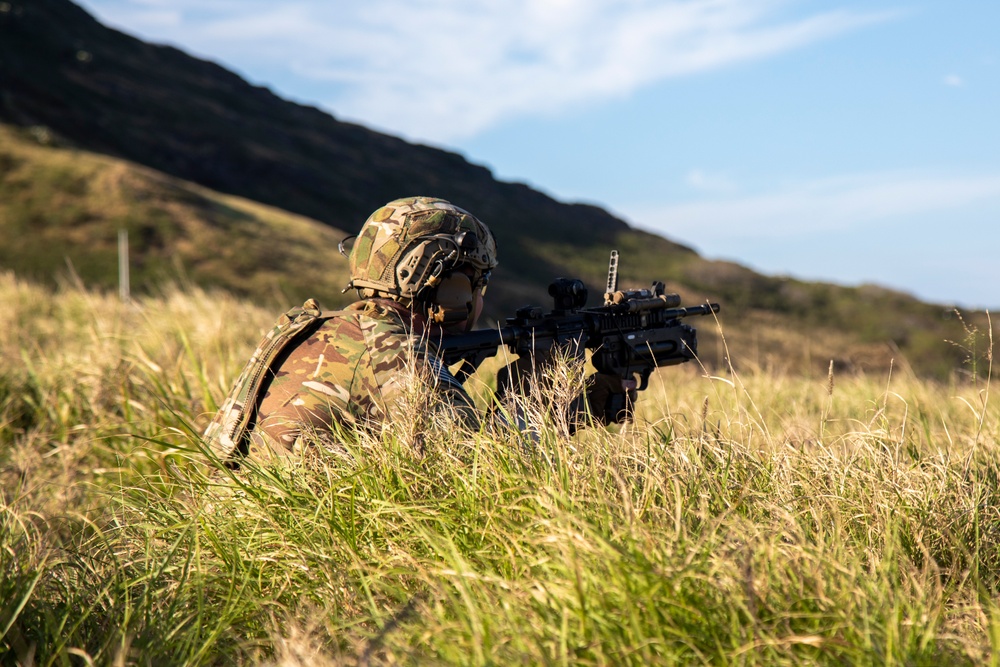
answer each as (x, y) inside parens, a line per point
(446, 69)
(954, 80)
(438, 73)
(709, 182)
(148, 20)
(828, 205)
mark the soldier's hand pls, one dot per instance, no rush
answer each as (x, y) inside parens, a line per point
(611, 397)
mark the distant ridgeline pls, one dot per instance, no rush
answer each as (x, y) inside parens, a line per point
(242, 189)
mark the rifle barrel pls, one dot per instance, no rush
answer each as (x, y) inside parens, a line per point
(704, 309)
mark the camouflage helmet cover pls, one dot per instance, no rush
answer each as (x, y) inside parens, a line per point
(409, 243)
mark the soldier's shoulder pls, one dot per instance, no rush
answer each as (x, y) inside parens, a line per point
(358, 323)
(366, 315)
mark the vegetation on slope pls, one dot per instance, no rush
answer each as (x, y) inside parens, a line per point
(63, 208)
(745, 519)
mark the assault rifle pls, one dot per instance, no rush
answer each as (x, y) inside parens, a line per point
(634, 332)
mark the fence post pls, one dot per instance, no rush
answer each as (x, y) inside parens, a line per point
(123, 277)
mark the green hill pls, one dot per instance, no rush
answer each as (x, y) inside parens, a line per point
(61, 209)
(226, 184)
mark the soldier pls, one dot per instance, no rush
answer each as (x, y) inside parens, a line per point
(420, 267)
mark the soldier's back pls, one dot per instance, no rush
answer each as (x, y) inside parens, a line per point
(346, 373)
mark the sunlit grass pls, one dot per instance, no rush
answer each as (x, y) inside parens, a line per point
(754, 518)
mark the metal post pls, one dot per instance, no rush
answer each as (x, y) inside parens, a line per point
(123, 278)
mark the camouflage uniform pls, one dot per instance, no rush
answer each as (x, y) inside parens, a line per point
(352, 371)
(419, 264)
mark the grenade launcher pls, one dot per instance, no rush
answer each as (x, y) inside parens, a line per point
(634, 331)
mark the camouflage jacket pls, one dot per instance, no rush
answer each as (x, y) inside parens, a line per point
(366, 365)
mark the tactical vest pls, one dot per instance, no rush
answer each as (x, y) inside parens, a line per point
(228, 434)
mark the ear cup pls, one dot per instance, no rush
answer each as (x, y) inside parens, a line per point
(453, 299)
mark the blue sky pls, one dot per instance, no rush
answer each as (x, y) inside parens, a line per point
(851, 142)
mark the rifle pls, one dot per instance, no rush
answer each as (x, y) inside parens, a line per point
(634, 332)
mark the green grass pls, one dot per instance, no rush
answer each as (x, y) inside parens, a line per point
(760, 518)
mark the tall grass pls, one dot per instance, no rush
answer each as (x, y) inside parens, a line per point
(743, 519)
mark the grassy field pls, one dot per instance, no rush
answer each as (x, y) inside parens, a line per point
(757, 518)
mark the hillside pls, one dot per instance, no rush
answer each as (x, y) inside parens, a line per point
(98, 89)
(61, 209)
(228, 185)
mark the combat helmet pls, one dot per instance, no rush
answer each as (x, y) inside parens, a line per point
(408, 249)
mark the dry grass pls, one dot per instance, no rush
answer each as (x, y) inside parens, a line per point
(751, 518)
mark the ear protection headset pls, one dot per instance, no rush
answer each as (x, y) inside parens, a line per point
(450, 295)
(434, 271)
(452, 300)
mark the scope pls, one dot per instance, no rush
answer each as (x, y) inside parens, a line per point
(568, 294)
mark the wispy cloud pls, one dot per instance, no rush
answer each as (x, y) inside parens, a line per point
(447, 69)
(954, 80)
(709, 182)
(829, 205)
